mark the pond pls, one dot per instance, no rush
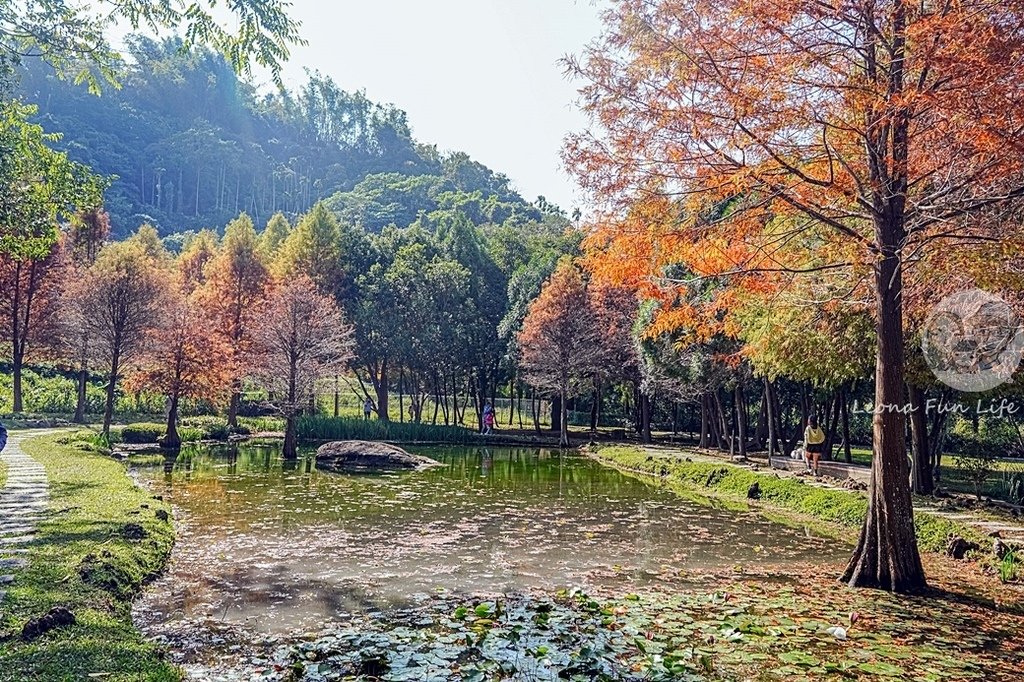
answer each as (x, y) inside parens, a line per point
(278, 546)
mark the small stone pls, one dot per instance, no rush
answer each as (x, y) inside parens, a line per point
(754, 491)
(958, 548)
(162, 515)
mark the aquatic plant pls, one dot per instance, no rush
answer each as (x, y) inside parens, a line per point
(318, 428)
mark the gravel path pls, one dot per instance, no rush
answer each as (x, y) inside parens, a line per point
(23, 501)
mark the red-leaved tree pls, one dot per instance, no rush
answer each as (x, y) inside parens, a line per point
(869, 133)
(560, 342)
(302, 338)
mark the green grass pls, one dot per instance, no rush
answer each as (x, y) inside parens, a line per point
(83, 559)
(844, 507)
(347, 428)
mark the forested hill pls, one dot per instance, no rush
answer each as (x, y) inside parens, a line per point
(192, 146)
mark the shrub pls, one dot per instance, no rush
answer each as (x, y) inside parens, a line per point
(351, 428)
(142, 433)
(977, 469)
(204, 428)
(995, 438)
(1009, 566)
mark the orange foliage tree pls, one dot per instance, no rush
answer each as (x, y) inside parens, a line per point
(184, 357)
(772, 138)
(560, 343)
(236, 286)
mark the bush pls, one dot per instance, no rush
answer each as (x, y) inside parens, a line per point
(994, 438)
(977, 469)
(142, 433)
(204, 428)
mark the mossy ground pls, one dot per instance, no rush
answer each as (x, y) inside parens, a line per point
(101, 541)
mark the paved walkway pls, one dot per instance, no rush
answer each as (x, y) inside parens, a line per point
(23, 501)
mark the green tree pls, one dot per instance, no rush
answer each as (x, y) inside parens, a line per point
(75, 38)
(274, 234)
(313, 249)
(38, 186)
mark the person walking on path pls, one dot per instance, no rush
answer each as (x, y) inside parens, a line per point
(3, 437)
(367, 408)
(488, 419)
(814, 444)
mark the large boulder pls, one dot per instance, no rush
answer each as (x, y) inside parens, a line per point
(360, 456)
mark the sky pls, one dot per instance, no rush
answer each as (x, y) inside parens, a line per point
(479, 76)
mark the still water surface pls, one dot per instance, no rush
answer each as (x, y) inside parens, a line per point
(276, 545)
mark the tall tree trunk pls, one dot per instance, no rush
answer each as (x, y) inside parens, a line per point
(519, 399)
(831, 424)
(291, 441)
(645, 417)
(16, 335)
(770, 418)
(741, 419)
(535, 411)
(108, 408)
(761, 432)
(563, 422)
(556, 413)
(381, 388)
(937, 440)
(236, 402)
(18, 405)
(724, 428)
(171, 439)
(337, 398)
(595, 406)
(83, 379)
(886, 556)
(703, 442)
(846, 426)
(401, 395)
(921, 467)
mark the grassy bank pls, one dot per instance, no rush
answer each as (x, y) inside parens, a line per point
(843, 507)
(101, 542)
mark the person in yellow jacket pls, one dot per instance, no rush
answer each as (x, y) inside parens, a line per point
(814, 444)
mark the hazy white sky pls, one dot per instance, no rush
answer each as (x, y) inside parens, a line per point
(480, 76)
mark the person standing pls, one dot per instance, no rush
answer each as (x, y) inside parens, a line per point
(367, 408)
(814, 444)
(488, 419)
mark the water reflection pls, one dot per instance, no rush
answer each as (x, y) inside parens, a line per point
(279, 545)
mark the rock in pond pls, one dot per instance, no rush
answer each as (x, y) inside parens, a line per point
(360, 456)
